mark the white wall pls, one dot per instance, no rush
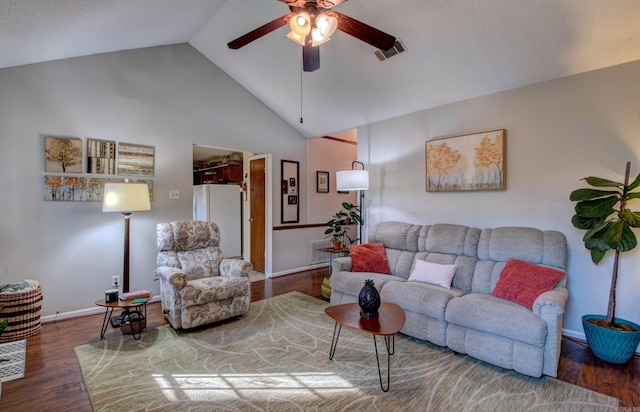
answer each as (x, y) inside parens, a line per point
(557, 133)
(329, 155)
(169, 97)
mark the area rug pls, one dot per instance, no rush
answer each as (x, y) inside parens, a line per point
(276, 358)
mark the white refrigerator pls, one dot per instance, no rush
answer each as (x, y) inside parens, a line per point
(221, 204)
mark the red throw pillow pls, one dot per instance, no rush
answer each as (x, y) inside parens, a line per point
(522, 282)
(370, 257)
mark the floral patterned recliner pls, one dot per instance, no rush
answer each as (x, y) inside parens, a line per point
(197, 285)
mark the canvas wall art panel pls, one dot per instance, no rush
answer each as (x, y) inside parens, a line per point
(62, 154)
(80, 189)
(101, 157)
(135, 160)
(467, 162)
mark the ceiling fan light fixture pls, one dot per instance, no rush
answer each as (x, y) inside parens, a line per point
(325, 26)
(301, 24)
(296, 38)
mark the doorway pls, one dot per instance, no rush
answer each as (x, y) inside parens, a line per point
(254, 186)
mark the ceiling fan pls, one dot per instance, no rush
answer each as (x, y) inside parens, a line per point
(312, 24)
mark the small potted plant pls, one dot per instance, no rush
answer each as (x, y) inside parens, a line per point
(339, 224)
(603, 212)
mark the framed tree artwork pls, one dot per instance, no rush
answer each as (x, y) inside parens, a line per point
(467, 162)
(62, 154)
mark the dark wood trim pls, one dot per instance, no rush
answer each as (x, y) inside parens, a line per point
(335, 139)
(305, 226)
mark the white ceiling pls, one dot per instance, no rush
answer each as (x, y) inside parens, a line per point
(457, 49)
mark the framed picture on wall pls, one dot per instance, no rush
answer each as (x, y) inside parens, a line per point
(135, 160)
(101, 156)
(289, 207)
(466, 162)
(62, 154)
(322, 182)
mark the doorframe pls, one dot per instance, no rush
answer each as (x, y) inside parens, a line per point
(268, 264)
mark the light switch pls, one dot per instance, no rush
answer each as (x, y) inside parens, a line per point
(174, 194)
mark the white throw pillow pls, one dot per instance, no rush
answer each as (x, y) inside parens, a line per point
(433, 273)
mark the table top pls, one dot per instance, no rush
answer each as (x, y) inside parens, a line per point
(334, 250)
(390, 321)
(123, 303)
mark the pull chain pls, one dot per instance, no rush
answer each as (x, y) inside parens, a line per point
(301, 119)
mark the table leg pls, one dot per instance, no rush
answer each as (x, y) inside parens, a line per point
(334, 340)
(390, 343)
(105, 322)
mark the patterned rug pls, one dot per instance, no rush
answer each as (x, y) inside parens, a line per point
(276, 359)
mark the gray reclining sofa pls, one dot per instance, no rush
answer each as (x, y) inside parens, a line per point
(467, 318)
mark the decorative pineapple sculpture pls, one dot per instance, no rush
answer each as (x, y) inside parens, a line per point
(369, 300)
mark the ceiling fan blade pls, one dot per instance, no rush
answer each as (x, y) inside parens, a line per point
(364, 32)
(259, 32)
(310, 57)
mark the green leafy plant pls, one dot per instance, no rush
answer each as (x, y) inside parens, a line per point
(605, 215)
(340, 221)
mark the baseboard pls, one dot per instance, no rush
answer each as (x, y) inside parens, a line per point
(80, 312)
(300, 269)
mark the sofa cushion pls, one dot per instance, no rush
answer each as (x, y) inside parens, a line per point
(423, 298)
(369, 257)
(433, 273)
(522, 282)
(501, 317)
(352, 282)
(210, 289)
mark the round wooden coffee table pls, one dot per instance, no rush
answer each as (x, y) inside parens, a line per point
(389, 322)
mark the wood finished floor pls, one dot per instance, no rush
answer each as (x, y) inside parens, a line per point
(53, 381)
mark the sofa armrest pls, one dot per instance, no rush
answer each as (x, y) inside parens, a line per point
(549, 307)
(173, 276)
(235, 267)
(341, 264)
(551, 302)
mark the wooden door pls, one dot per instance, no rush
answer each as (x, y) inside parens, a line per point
(257, 215)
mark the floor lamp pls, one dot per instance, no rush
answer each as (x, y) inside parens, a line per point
(354, 179)
(125, 198)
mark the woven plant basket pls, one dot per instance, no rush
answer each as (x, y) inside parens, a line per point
(23, 310)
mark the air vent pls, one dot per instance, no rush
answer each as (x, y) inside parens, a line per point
(397, 48)
(315, 254)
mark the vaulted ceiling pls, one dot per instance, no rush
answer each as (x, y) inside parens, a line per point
(456, 49)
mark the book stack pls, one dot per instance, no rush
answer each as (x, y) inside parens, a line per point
(135, 294)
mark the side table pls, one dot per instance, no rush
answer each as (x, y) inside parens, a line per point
(389, 322)
(131, 312)
(326, 285)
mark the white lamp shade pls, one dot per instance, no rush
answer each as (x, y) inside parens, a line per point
(352, 180)
(126, 197)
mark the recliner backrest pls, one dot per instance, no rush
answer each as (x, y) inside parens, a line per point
(192, 246)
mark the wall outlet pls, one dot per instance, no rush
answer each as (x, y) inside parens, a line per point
(115, 281)
(174, 194)
(155, 275)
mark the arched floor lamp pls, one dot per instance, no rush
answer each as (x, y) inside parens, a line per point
(354, 179)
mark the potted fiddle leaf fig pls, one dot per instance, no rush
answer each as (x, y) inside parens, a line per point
(603, 212)
(339, 224)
